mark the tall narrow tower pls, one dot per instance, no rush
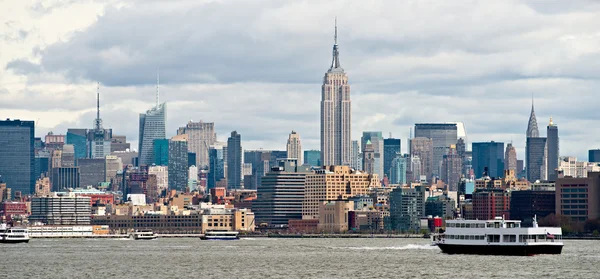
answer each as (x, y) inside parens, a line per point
(335, 113)
(553, 150)
(535, 150)
(152, 127)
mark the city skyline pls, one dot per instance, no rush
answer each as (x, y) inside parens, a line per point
(384, 101)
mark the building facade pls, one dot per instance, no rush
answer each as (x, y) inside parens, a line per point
(510, 158)
(442, 135)
(594, 155)
(216, 171)
(553, 150)
(376, 141)
(491, 203)
(92, 172)
(294, 147)
(201, 135)
(65, 209)
(451, 169)
(535, 158)
(391, 150)
(178, 163)
(355, 156)
(524, 205)
(17, 166)
(335, 113)
(488, 155)
(578, 198)
(312, 158)
(423, 148)
(234, 161)
(407, 206)
(152, 126)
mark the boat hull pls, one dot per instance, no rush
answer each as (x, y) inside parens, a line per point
(219, 238)
(9, 241)
(501, 250)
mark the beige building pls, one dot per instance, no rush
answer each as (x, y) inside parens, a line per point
(201, 135)
(113, 165)
(294, 147)
(332, 183)
(510, 158)
(509, 181)
(43, 187)
(570, 167)
(333, 216)
(162, 176)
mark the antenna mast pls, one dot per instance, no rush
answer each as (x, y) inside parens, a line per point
(157, 86)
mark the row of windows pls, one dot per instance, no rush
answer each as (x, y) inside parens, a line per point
(574, 201)
(574, 190)
(579, 206)
(574, 212)
(574, 195)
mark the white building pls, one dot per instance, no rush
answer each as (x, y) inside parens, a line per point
(294, 147)
(569, 166)
(162, 176)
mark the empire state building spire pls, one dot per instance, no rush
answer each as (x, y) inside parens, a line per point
(532, 127)
(335, 62)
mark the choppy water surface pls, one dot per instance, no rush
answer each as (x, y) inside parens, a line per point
(281, 258)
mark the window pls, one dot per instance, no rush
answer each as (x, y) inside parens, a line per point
(510, 238)
(493, 238)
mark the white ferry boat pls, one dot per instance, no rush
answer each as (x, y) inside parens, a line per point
(220, 235)
(13, 234)
(498, 237)
(143, 235)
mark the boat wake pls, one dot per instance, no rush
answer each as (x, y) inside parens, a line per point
(405, 247)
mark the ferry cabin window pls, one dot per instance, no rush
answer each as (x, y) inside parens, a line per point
(493, 238)
(510, 238)
(490, 225)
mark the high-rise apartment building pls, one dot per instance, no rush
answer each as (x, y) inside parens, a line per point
(119, 143)
(491, 203)
(391, 150)
(407, 207)
(442, 135)
(281, 193)
(376, 140)
(510, 158)
(162, 176)
(569, 166)
(294, 147)
(333, 182)
(201, 135)
(61, 210)
(553, 151)
(64, 178)
(355, 156)
(488, 155)
(152, 126)
(17, 163)
(335, 113)
(312, 158)
(234, 161)
(451, 169)
(178, 164)
(423, 148)
(68, 156)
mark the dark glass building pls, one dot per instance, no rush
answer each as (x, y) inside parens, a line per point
(78, 138)
(17, 153)
(64, 178)
(216, 171)
(488, 155)
(178, 165)
(161, 152)
(391, 150)
(553, 150)
(534, 158)
(524, 205)
(312, 158)
(234, 161)
(594, 156)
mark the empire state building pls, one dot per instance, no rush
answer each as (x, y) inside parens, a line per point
(335, 113)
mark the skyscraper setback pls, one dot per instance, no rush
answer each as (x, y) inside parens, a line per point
(335, 113)
(152, 126)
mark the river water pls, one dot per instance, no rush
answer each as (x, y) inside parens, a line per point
(281, 258)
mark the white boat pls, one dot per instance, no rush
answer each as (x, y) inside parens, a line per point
(143, 235)
(13, 234)
(220, 235)
(498, 237)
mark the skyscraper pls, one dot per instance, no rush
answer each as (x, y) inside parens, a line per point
(369, 158)
(98, 138)
(152, 126)
(423, 148)
(355, 158)
(451, 169)
(160, 152)
(391, 150)
(178, 163)
(78, 138)
(398, 170)
(510, 158)
(234, 161)
(216, 171)
(552, 143)
(443, 135)
(535, 150)
(376, 140)
(17, 166)
(594, 156)
(488, 155)
(201, 135)
(312, 158)
(335, 113)
(294, 147)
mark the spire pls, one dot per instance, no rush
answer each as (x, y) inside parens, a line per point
(157, 86)
(551, 123)
(532, 127)
(335, 63)
(98, 121)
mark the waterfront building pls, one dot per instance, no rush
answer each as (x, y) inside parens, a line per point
(201, 135)
(376, 140)
(61, 209)
(294, 147)
(335, 113)
(407, 206)
(490, 156)
(119, 143)
(178, 164)
(152, 126)
(281, 193)
(92, 172)
(451, 169)
(333, 215)
(162, 176)
(333, 182)
(578, 198)
(553, 150)
(423, 148)
(491, 203)
(594, 155)
(524, 205)
(442, 135)
(391, 150)
(78, 138)
(312, 158)
(17, 166)
(510, 158)
(216, 170)
(234, 161)
(64, 178)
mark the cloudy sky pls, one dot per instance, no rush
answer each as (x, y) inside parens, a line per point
(257, 66)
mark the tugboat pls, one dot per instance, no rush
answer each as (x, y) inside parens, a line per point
(220, 235)
(13, 234)
(143, 235)
(498, 237)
